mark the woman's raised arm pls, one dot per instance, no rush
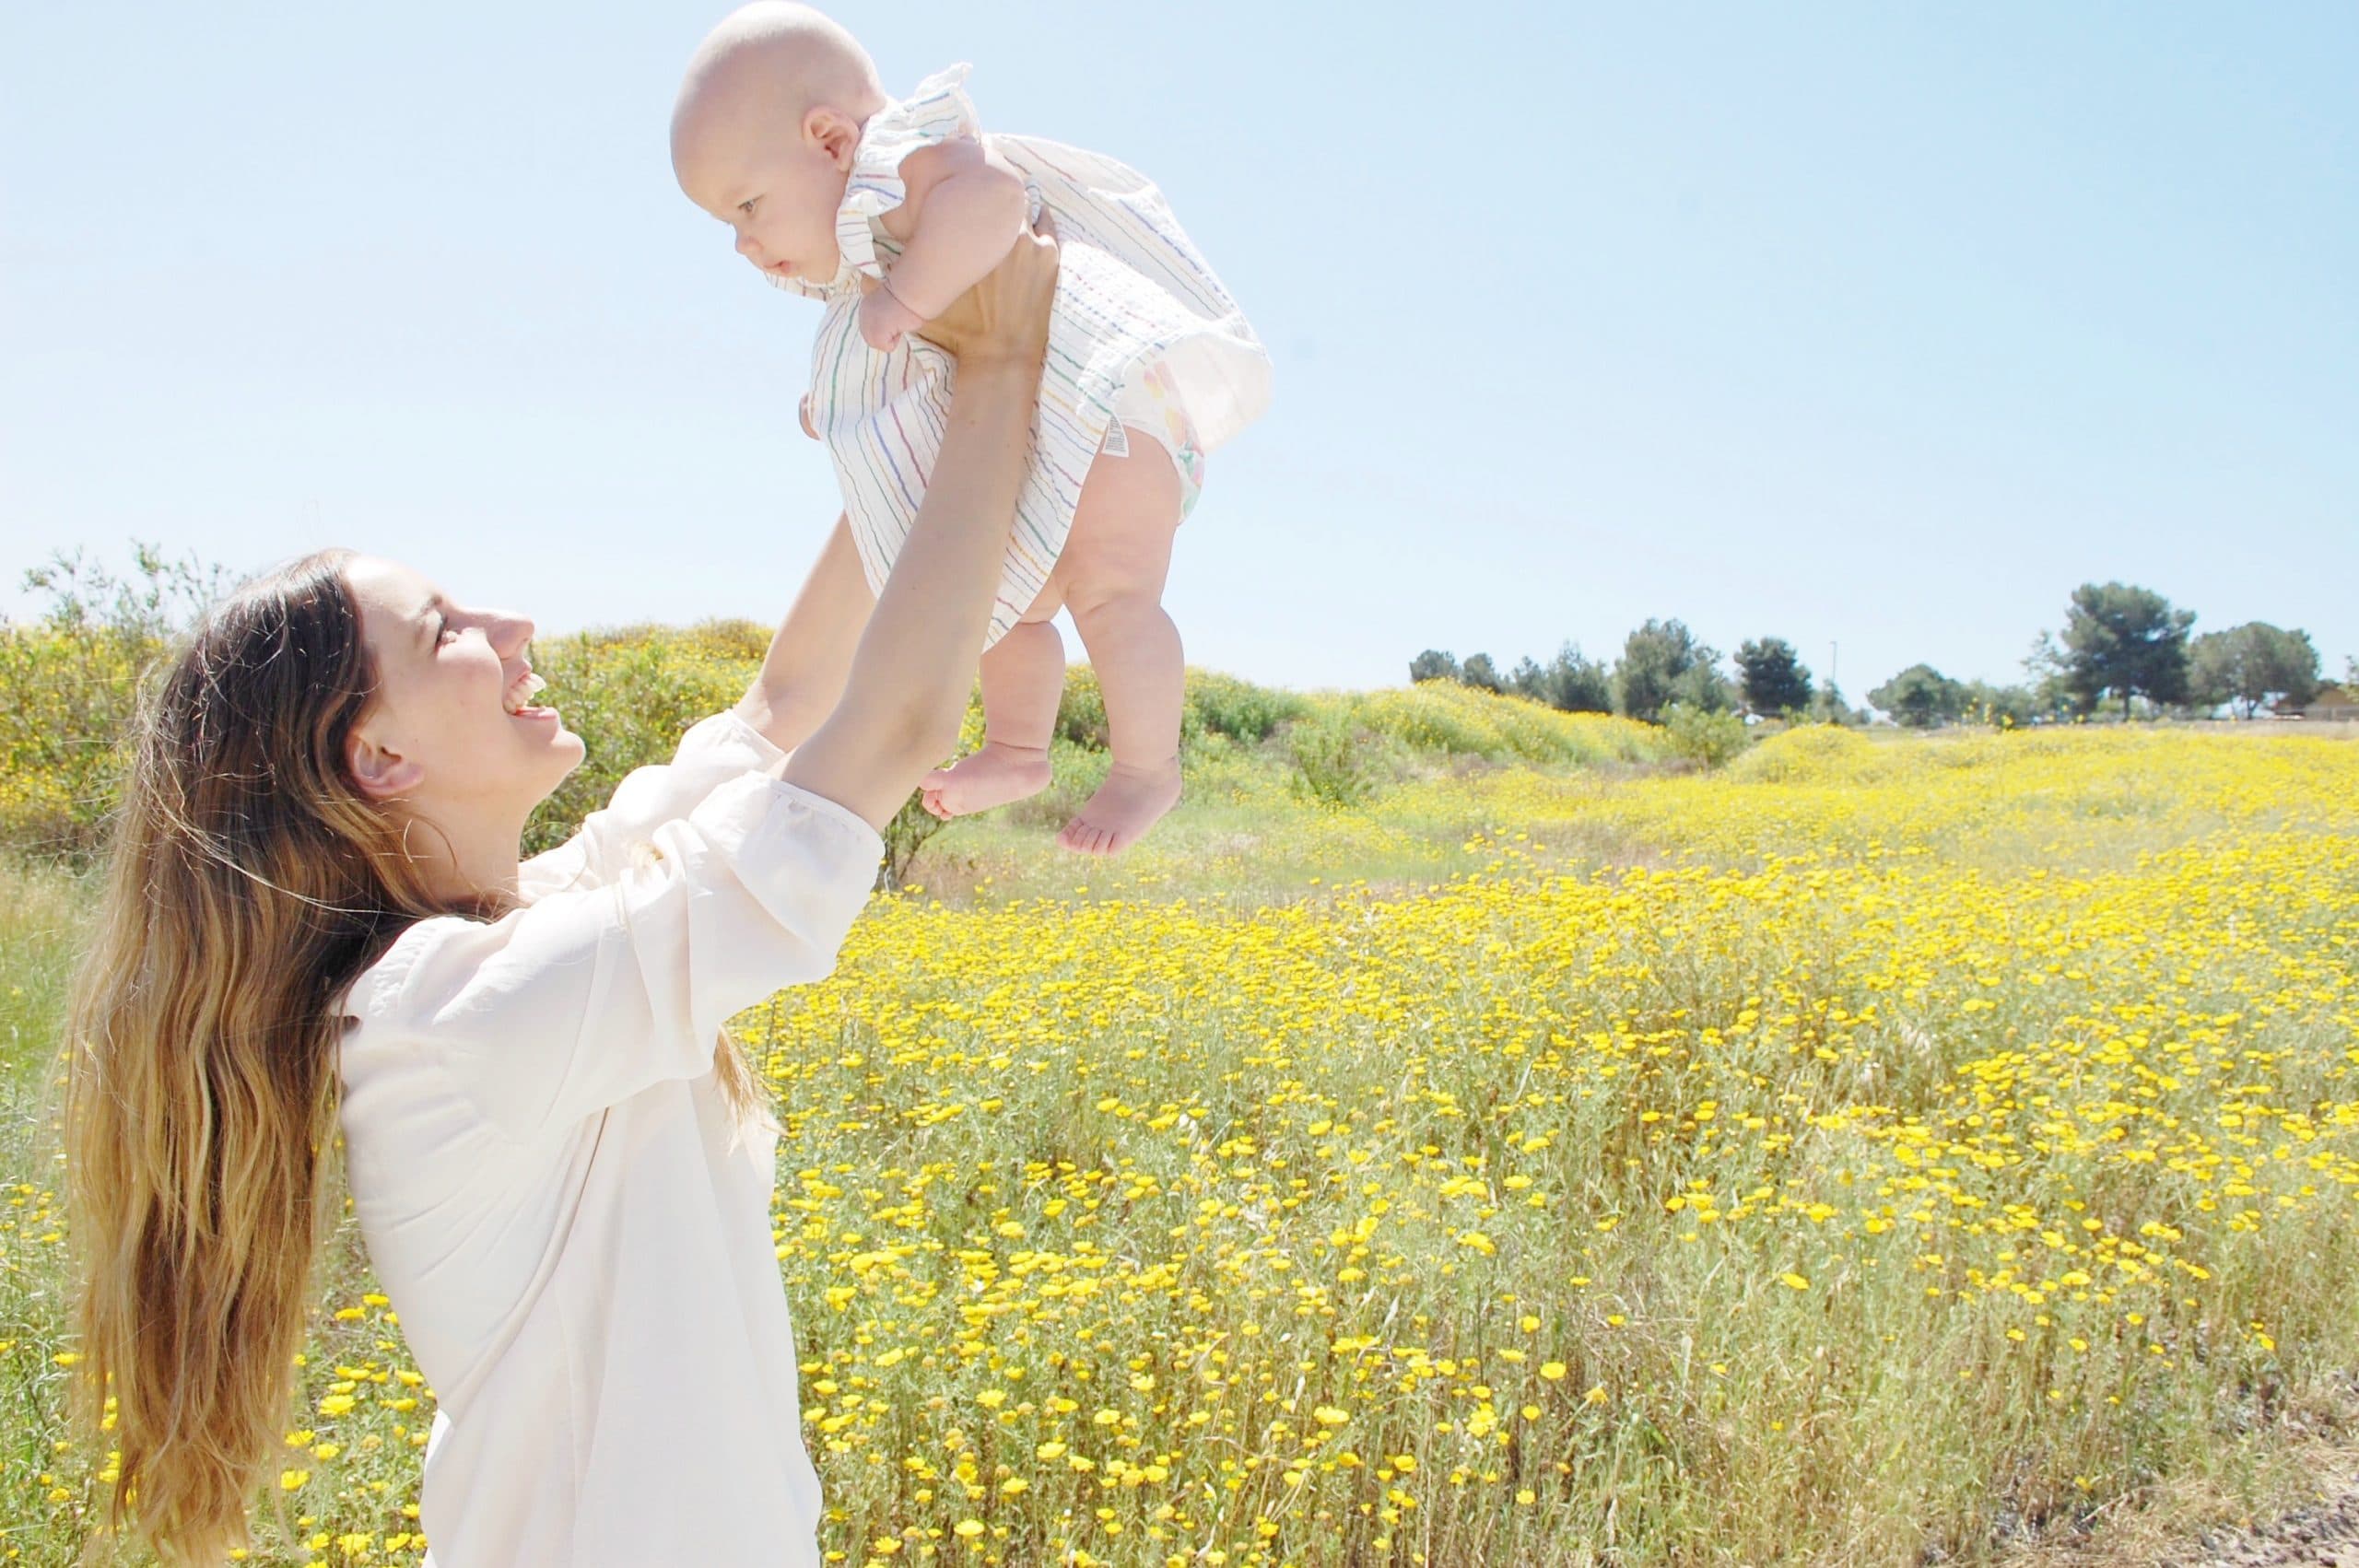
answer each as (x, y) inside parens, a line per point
(907, 690)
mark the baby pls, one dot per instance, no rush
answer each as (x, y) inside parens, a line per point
(887, 211)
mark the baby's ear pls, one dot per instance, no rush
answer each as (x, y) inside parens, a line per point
(833, 133)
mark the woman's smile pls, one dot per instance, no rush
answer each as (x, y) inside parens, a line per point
(517, 699)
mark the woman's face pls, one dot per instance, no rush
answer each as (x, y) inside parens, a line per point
(450, 732)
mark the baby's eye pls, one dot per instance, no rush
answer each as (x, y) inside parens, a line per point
(746, 206)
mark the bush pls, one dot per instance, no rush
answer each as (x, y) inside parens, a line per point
(1081, 710)
(629, 693)
(1336, 762)
(1435, 716)
(1811, 753)
(1438, 715)
(904, 836)
(69, 683)
(1705, 737)
(66, 704)
(632, 692)
(1215, 705)
(1224, 705)
(730, 636)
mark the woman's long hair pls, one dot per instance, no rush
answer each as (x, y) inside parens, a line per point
(250, 884)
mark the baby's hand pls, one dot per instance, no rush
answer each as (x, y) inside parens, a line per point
(803, 411)
(884, 319)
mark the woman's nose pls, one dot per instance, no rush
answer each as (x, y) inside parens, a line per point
(510, 633)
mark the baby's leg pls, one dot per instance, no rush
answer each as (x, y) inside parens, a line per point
(1023, 674)
(1113, 565)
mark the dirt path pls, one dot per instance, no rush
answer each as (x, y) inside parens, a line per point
(2323, 1532)
(2316, 1471)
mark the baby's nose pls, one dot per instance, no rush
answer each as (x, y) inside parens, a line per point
(745, 246)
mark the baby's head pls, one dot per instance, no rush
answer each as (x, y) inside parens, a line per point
(763, 135)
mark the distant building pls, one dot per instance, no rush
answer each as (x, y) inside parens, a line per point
(2332, 703)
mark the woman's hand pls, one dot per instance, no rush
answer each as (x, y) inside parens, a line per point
(899, 711)
(1004, 317)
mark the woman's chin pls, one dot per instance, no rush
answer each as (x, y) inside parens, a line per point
(543, 731)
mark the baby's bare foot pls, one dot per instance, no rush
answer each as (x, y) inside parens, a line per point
(1125, 807)
(992, 776)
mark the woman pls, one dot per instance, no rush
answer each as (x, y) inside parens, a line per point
(558, 1163)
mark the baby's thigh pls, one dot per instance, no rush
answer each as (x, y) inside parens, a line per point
(1120, 540)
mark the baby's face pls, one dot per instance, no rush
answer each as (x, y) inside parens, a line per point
(777, 192)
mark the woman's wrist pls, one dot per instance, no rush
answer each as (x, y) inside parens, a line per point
(1005, 318)
(1010, 368)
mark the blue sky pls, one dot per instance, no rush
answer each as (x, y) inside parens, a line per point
(1877, 325)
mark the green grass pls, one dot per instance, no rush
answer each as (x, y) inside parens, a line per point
(41, 913)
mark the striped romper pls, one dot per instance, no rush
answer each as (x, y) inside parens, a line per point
(1141, 335)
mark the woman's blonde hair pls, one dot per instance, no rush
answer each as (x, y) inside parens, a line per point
(250, 882)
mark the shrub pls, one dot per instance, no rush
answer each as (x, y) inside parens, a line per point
(904, 836)
(629, 693)
(1809, 754)
(1081, 710)
(1224, 705)
(632, 692)
(1433, 716)
(1336, 762)
(65, 704)
(69, 683)
(1438, 715)
(1705, 737)
(730, 638)
(1215, 705)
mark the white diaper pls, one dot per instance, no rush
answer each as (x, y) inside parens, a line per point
(1148, 401)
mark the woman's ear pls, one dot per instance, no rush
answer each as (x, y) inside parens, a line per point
(381, 773)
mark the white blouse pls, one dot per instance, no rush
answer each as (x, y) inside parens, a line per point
(575, 1236)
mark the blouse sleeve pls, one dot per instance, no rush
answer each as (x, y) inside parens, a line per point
(938, 111)
(579, 1001)
(713, 750)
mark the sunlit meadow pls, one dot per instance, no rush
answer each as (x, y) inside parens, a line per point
(1872, 1152)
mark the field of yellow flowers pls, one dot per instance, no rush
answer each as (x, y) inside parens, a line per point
(1871, 1153)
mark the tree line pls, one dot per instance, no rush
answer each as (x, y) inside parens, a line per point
(2119, 643)
(2129, 645)
(1662, 666)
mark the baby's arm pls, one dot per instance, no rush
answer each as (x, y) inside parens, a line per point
(962, 210)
